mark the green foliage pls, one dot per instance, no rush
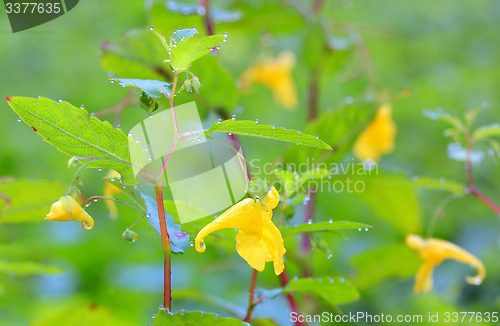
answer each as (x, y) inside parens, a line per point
(254, 129)
(193, 318)
(381, 263)
(26, 268)
(486, 132)
(153, 88)
(393, 198)
(30, 201)
(187, 50)
(441, 184)
(331, 290)
(68, 128)
(323, 227)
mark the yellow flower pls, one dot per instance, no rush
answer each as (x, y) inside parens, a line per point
(258, 240)
(378, 137)
(109, 191)
(67, 209)
(435, 251)
(277, 75)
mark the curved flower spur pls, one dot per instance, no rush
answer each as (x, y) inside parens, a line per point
(258, 240)
(67, 209)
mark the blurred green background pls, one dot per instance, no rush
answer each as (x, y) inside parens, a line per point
(446, 52)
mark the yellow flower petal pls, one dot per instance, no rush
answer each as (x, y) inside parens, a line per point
(67, 209)
(109, 191)
(258, 239)
(378, 137)
(434, 252)
(276, 75)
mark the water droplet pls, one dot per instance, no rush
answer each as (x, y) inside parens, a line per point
(359, 229)
(309, 221)
(330, 221)
(95, 200)
(274, 127)
(19, 119)
(60, 100)
(366, 229)
(300, 132)
(82, 106)
(317, 137)
(331, 281)
(256, 120)
(295, 278)
(442, 180)
(112, 179)
(329, 176)
(349, 100)
(229, 134)
(100, 170)
(137, 140)
(191, 243)
(151, 28)
(330, 256)
(219, 121)
(148, 215)
(87, 205)
(415, 179)
(119, 127)
(92, 114)
(130, 133)
(342, 280)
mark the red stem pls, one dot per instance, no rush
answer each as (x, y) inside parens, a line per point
(291, 300)
(251, 303)
(167, 282)
(209, 25)
(470, 178)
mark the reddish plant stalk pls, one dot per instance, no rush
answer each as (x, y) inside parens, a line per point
(290, 298)
(167, 280)
(251, 303)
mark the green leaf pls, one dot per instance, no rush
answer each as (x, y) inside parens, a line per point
(339, 128)
(179, 241)
(441, 184)
(444, 116)
(191, 49)
(193, 318)
(26, 268)
(393, 198)
(30, 201)
(250, 128)
(181, 34)
(139, 55)
(332, 291)
(73, 132)
(385, 262)
(323, 227)
(154, 88)
(206, 298)
(485, 132)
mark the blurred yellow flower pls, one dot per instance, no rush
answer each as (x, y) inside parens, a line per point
(67, 209)
(109, 191)
(378, 137)
(258, 240)
(433, 252)
(275, 74)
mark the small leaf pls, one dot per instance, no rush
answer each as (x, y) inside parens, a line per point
(250, 128)
(154, 88)
(323, 227)
(73, 132)
(444, 116)
(30, 201)
(193, 318)
(181, 34)
(332, 291)
(179, 241)
(26, 268)
(191, 49)
(485, 132)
